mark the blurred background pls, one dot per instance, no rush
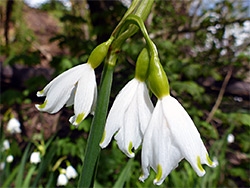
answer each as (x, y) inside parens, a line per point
(204, 47)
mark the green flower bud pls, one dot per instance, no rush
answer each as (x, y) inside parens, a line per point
(99, 53)
(142, 65)
(157, 78)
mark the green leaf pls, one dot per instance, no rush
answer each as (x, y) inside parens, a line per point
(44, 164)
(29, 176)
(239, 172)
(19, 179)
(11, 176)
(124, 174)
(97, 128)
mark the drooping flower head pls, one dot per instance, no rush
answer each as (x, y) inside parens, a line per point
(35, 158)
(62, 180)
(171, 134)
(75, 86)
(71, 172)
(9, 158)
(13, 126)
(130, 112)
(6, 145)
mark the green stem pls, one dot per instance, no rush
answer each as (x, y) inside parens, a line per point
(93, 149)
(142, 12)
(157, 78)
(131, 9)
(97, 126)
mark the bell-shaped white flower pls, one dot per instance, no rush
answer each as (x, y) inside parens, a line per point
(13, 126)
(35, 158)
(62, 180)
(2, 165)
(75, 86)
(9, 158)
(129, 115)
(6, 145)
(71, 172)
(171, 136)
(230, 138)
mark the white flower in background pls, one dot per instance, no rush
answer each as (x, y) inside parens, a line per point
(171, 136)
(2, 165)
(35, 158)
(10, 158)
(13, 126)
(215, 161)
(75, 86)
(129, 116)
(6, 145)
(71, 172)
(230, 138)
(62, 180)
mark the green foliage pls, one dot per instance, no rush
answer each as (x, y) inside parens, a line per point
(189, 56)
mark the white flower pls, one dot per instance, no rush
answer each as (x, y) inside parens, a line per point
(215, 161)
(35, 158)
(2, 165)
(6, 145)
(10, 158)
(71, 172)
(171, 136)
(62, 180)
(230, 138)
(75, 86)
(13, 126)
(129, 116)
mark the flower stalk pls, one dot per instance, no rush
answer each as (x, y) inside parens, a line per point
(141, 9)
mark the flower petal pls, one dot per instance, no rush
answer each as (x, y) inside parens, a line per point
(71, 99)
(58, 92)
(94, 102)
(158, 150)
(58, 79)
(116, 114)
(84, 96)
(185, 134)
(129, 134)
(145, 106)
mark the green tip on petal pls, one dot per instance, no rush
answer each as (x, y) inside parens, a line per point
(43, 105)
(159, 173)
(130, 147)
(209, 160)
(79, 118)
(103, 137)
(41, 92)
(199, 163)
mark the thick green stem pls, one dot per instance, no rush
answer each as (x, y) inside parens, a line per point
(97, 127)
(142, 11)
(93, 149)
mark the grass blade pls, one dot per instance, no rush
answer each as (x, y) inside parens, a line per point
(19, 179)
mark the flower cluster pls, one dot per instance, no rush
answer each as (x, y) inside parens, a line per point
(65, 175)
(166, 132)
(76, 86)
